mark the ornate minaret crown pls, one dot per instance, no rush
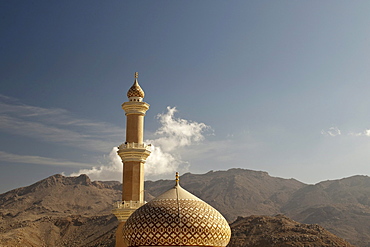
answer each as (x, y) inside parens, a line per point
(133, 154)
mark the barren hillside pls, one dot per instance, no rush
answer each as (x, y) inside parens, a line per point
(280, 231)
(74, 211)
(341, 206)
(59, 211)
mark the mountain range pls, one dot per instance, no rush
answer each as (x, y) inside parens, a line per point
(75, 211)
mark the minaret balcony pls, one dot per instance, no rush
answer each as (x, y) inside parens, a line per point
(135, 107)
(134, 152)
(128, 204)
(133, 145)
(123, 209)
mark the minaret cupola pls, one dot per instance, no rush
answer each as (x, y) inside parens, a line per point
(136, 93)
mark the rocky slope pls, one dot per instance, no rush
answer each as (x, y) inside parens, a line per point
(74, 230)
(59, 195)
(74, 211)
(341, 206)
(280, 231)
(59, 211)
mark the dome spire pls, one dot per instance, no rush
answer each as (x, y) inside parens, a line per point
(177, 179)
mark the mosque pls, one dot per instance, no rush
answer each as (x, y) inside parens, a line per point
(175, 218)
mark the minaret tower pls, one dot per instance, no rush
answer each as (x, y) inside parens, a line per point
(133, 154)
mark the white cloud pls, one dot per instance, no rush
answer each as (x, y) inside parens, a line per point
(110, 170)
(173, 134)
(165, 158)
(176, 132)
(364, 133)
(28, 159)
(332, 131)
(54, 125)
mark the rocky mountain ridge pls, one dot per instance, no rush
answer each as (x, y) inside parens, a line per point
(74, 211)
(253, 192)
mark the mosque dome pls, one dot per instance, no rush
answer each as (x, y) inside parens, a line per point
(135, 90)
(176, 218)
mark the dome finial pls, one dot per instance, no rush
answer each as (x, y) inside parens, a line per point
(136, 75)
(177, 178)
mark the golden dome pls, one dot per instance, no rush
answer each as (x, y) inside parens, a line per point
(176, 218)
(135, 90)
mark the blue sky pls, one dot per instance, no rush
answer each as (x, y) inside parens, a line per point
(278, 86)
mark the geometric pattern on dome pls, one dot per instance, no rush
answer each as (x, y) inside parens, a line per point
(176, 222)
(135, 91)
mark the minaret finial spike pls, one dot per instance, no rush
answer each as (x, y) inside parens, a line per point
(136, 75)
(177, 178)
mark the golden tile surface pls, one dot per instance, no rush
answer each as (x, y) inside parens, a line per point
(176, 218)
(135, 90)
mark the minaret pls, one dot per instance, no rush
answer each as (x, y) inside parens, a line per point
(133, 154)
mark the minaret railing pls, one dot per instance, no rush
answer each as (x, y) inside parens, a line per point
(133, 145)
(128, 204)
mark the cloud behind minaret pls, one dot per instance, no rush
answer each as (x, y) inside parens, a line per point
(173, 134)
